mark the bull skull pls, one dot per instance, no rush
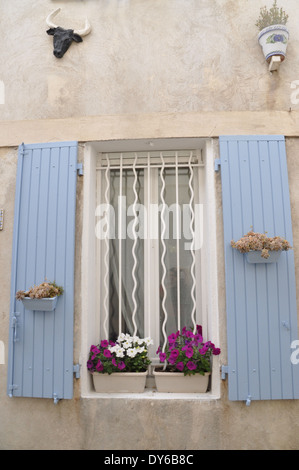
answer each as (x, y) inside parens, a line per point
(62, 38)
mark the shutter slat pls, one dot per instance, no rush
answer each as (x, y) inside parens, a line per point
(41, 361)
(260, 298)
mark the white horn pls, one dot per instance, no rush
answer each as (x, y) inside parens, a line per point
(85, 31)
(50, 16)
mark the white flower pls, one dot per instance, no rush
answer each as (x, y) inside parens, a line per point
(131, 352)
(127, 344)
(140, 349)
(148, 341)
(121, 337)
(120, 352)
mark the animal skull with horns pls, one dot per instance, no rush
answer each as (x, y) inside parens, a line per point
(62, 38)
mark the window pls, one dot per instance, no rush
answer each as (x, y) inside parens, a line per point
(148, 215)
(148, 221)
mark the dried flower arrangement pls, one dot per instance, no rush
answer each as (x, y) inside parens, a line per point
(254, 241)
(44, 290)
(273, 16)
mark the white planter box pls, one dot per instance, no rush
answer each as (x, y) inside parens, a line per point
(274, 40)
(177, 382)
(119, 382)
(42, 305)
(255, 257)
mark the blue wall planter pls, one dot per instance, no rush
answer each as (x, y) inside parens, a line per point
(255, 257)
(43, 305)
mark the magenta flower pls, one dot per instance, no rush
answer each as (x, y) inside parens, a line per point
(188, 351)
(216, 351)
(89, 364)
(104, 343)
(99, 366)
(180, 366)
(107, 353)
(162, 357)
(95, 352)
(121, 365)
(190, 365)
(174, 353)
(203, 350)
(114, 362)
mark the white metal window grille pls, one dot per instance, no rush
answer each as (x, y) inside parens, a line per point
(149, 234)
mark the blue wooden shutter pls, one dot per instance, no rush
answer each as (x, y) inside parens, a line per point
(260, 298)
(41, 343)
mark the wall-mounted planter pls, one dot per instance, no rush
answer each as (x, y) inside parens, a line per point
(119, 382)
(43, 305)
(255, 257)
(274, 40)
(177, 382)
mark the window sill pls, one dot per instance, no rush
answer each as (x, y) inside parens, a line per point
(152, 394)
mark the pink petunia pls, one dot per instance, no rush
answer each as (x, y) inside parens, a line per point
(107, 353)
(104, 343)
(99, 366)
(190, 365)
(180, 366)
(162, 357)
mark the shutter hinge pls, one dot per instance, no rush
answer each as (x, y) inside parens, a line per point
(11, 388)
(224, 372)
(56, 398)
(217, 164)
(76, 370)
(80, 169)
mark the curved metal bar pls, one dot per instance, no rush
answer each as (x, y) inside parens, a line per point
(134, 247)
(192, 244)
(106, 259)
(163, 228)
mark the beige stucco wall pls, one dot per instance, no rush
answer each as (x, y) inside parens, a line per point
(141, 57)
(149, 69)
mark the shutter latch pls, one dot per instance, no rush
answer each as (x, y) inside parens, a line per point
(80, 169)
(224, 372)
(217, 164)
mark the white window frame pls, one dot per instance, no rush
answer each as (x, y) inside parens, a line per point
(91, 322)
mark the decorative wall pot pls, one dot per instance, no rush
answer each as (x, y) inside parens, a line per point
(43, 305)
(119, 382)
(255, 257)
(177, 382)
(274, 40)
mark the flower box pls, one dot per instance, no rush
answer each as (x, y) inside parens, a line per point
(43, 305)
(119, 382)
(177, 382)
(255, 257)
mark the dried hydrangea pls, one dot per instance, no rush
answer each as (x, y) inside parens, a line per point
(254, 241)
(42, 291)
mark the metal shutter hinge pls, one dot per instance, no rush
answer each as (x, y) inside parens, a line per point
(76, 370)
(80, 169)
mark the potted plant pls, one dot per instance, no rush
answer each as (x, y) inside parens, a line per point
(42, 297)
(187, 363)
(273, 36)
(259, 248)
(119, 366)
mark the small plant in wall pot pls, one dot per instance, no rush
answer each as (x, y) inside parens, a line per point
(274, 35)
(259, 248)
(42, 297)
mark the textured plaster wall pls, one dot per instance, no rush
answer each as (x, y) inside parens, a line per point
(141, 57)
